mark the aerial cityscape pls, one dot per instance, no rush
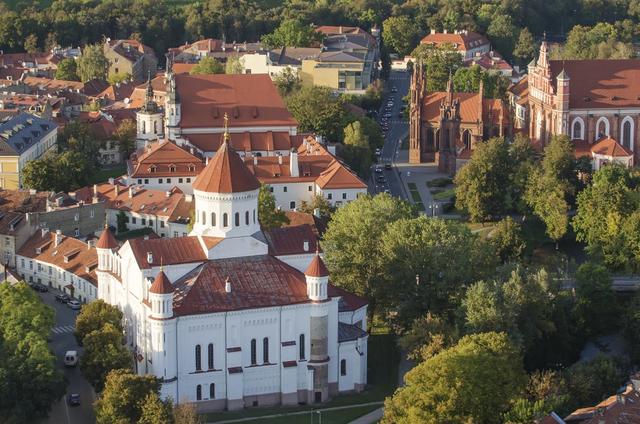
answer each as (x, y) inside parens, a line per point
(308, 211)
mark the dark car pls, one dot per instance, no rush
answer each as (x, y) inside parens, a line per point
(73, 399)
(62, 298)
(42, 288)
(387, 165)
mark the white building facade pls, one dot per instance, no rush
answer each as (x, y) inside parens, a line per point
(224, 323)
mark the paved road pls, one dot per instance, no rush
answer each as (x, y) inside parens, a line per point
(61, 340)
(398, 129)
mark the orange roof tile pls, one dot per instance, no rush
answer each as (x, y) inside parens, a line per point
(161, 284)
(71, 254)
(291, 240)
(317, 268)
(609, 147)
(226, 173)
(600, 83)
(165, 159)
(337, 176)
(469, 107)
(106, 240)
(462, 41)
(248, 141)
(249, 100)
(167, 251)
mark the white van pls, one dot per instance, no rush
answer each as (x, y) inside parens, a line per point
(71, 358)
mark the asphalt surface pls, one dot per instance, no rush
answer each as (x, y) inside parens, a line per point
(60, 341)
(398, 129)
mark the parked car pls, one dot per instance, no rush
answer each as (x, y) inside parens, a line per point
(387, 165)
(378, 169)
(62, 298)
(74, 304)
(71, 358)
(378, 151)
(41, 288)
(73, 399)
(382, 179)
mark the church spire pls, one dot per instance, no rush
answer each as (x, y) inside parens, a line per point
(225, 135)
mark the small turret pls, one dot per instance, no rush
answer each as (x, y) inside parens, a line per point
(317, 277)
(161, 296)
(105, 247)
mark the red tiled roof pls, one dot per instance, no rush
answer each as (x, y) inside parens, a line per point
(350, 301)
(521, 88)
(248, 141)
(290, 240)
(182, 68)
(249, 100)
(256, 282)
(167, 251)
(161, 285)
(337, 176)
(469, 107)
(317, 268)
(164, 156)
(609, 147)
(296, 218)
(100, 126)
(226, 173)
(71, 254)
(462, 41)
(106, 240)
(600, 83)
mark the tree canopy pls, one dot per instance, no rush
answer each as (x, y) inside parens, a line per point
(104, 351)
(486, 371)
(318, 110)
(67, 70)
(94, 316)
(207, 65)
(269, 215)
(124, 395)
(400, 34)
(291, 33)
(92, 64)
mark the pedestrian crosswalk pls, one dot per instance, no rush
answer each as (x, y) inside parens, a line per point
(63, 329)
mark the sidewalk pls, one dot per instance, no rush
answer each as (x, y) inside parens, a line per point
(290, 414)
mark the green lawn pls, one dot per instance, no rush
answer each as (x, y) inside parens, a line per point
(103, 175)
(444, 194)
(382, 375)
(412, 186)
(343, 416)
(416, 196)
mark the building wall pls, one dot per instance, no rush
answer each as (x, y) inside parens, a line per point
(76, 221)
(9, 172)
(339, 197)
(13, 241)
(259, 63)
(184, 183)
(47, 143)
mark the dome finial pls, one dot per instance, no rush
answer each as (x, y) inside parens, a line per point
(225, 137)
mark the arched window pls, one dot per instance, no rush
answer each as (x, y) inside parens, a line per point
(237, 219)
(210, 356)
(602, 128)
(172, 168)
(466, 139)
(265, 350)
(213, 219)
(155, 127)
(302, 346)
(225, 220)
(627, 133)
(144, 127)
(343, 367)
(198, 357)
(253, 352)
(246, 218)
(254, 216)
(204, 218)
(577, 129)
(198, 392)
(212, 391)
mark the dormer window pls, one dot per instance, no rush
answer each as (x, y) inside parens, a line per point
(152, 168)
(192, 167)
(172, 168)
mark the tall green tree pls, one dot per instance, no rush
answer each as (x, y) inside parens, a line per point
(207, 65)
(155, 410)
(92, 64)
(526, 47)
(317, 110)
(269, 215)
(480, 184)
(234, 65)
(125, 136)
(123, 398)
(352, 246)
(428, 336)
(104, 351)
(400, 34)
(67, 70)
(439, 64)
(94, 316)
(287, 81)
(596, 304)
(31, 382)
(291, 33)
(507, 240)
(472, 381)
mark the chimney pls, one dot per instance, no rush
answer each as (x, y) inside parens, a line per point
(188, 197)
(90, 243)
(131, 192)
(116, 188)
(167, 193)
(227, 285)
(433, 31)
(44, 231)
(149, 258)
(445, 31)
(58, 238)
(305, 245)
(316, 212)
(111, 181)
(293, 163)
(255, 160)
(279, 159)
(206, 161)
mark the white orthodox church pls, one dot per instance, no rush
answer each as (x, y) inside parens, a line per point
(227, 317)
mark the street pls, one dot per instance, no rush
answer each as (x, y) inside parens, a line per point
(398, 129)
(62, 340)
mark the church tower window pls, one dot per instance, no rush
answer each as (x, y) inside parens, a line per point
(254, 359)
(210, 356)
(198, 358)
(302, 347)
(265, 350)
(225, 220)
(577, 129)
(246, 218)
(627, 133)
(237, 219)
(213, 219)
(198, 392)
